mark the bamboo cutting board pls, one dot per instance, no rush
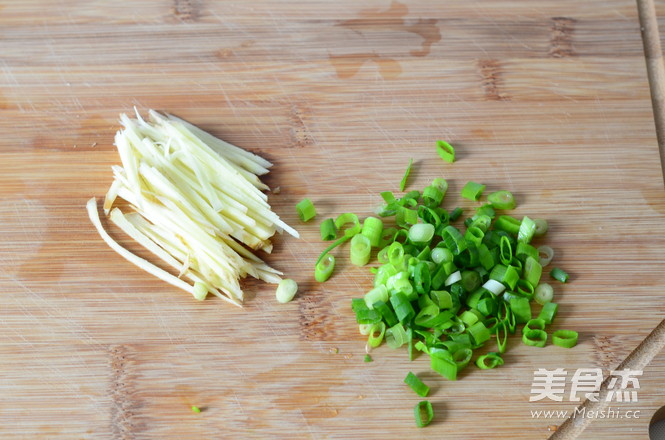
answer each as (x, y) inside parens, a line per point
(547, 99)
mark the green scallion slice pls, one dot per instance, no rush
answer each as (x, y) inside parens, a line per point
(396, 336)
(379, 293)
(503, 200)
(534, 324)
(443, 363)
(416, 384)
(473, 191)
(489, 361)
(332, 246)
(441, 184)
(364, 315)
(388, 197)
(479, 333)
(485, 257)
(445, 151)
(432, 196)
(442, 299)
(346, 219)
(545, 255)
(507, 223)
(402, 183)
(565, 338)
(427, 316)
(521, 309)
(559, 275)
(470, 317)
(360, 250)
(502, 336)
(424, 413)
(525, 289)
(526, 230)
(422, 279)
(396, 254)
(376, 333)
(373, 229)
(525, 251)
(535, 338)
(462, 357)
(306, 210)
(474, 235)
(441, 255)
(402, 306)
(470, 280)
(328, 230)
(363, 329)
(421, 233)
(387, 315)
(324, 268)
(487, 210)
(406, 217)
(548, 312)
(454, 240)
(507, 275)
(505, 251)
(532, 271)
(455, 214)
(453, 278)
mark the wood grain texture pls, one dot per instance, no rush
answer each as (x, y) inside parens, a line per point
(547, 99)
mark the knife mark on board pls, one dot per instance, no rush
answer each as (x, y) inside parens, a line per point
(491, 83)
(301, 135)
(561, 37)
(124, 405)
(187, 11)
(316, 323)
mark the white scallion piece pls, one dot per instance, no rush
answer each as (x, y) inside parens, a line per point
(453, 278)
(494, 286)
(545, 255)
(286, 290)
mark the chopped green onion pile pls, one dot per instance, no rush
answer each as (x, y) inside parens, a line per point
(446, 289)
